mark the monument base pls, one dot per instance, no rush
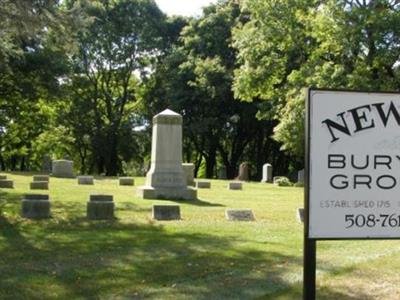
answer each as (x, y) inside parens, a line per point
(149, 192)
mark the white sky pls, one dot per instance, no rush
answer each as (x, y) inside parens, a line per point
(183, 7)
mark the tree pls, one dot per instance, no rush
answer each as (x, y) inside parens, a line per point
(289, 45)
(115, 51)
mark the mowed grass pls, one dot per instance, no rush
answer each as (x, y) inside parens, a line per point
(202, 256)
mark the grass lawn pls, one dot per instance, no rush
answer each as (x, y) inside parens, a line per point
(203, 256)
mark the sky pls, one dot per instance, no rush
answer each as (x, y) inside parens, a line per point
(183, 7)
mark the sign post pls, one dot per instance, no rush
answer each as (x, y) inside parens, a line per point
(352, 173)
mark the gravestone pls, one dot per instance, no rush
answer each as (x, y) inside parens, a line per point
(188, 168)
(166, 178)
(244, 172)
(203, 184)
(234, 185)
(221, 174)
(3, 177)
(46, 164)
(100, 207)
(39, 185)
(300, 215)
(35, 206)
(267, 173)
(63, 168)
(86, 180)
(300, 176)
(239, 215)
(166, 212)
(41, 178)
(126, 181)
(6, 184)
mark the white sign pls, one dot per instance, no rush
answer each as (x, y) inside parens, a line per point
(354, 164)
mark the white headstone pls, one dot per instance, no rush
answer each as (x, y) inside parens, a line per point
(300, 176)
(188, 168)
(63, 168)
(166, 178)
(267, 173)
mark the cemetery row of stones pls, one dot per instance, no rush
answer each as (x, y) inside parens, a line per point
(101, 207)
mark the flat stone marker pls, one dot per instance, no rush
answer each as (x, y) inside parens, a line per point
(88, 180)
(203, 184)
(3, 177)
(39, 185)
(267, 173)
(126, 181)
(35, 206)
(239, 215)
(100, 207)
(188, 168)
(63, 168)
(300, 215)
(166, 178)
(6, 184)
(244, 171)
(41, 178)
(166, 212)
(234, 185)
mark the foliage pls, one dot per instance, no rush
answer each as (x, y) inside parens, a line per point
(282, 181)
(289, 45)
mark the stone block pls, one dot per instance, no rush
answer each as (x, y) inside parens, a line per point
(101, 197)
(166, 212)
(88, 180)
(41, 178)
(148, 192)
(100, 210)
(300, 176)
(6, 184)
(3, 177)
(188, 168)
(300, 215)
(239, 215)
(126, 181)
(234, 185)
(244, 172)
(267, 173)
(63, 168)
(203, 184)
(39, 185)
(35, 206)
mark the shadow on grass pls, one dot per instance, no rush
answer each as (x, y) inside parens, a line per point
(72, 258)
(198, 202)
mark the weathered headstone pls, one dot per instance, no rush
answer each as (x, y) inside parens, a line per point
(166, 178)
(6, 184)
(3, 177)
(63, 168)
(188, 168)
(234, 185)
(300, 176)
(300, 215)
(221, 174)
(88, 180)
(267, 173)
(100, 207)
(35, 206)
(39, 185)
(244, 172)
(46, 164)
(41, 178)
(166, 212)
(203, 184)
(126, 181)
(239, 215)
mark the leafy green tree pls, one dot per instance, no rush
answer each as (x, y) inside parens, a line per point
(115, 51)
(288, 45)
